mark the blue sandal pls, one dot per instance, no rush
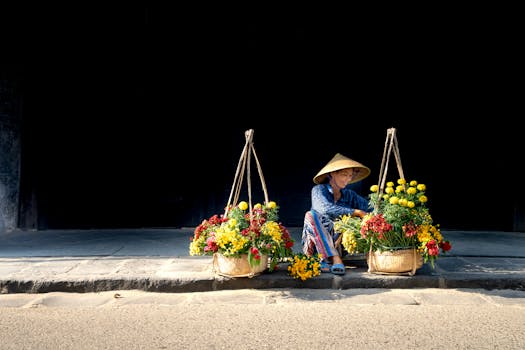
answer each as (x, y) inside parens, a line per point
(325, 267)
(338, 269)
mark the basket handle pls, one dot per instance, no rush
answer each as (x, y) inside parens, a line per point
(244, 166)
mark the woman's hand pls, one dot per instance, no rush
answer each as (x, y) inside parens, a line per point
(359, 213)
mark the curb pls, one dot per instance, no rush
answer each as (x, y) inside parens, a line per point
(358, 278)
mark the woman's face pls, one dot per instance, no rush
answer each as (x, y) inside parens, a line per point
(342, 177)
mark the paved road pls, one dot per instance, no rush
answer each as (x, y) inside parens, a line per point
(266, 319)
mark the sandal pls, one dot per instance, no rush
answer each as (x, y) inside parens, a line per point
(325, 267)
(338, 269)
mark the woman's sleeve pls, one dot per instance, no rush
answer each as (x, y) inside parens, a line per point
(323, 204)
(359, 202)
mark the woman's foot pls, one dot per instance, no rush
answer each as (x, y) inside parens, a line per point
(338, 269)
(325, 267)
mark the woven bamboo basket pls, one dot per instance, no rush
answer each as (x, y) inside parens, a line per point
(402, 261)
(238, 267)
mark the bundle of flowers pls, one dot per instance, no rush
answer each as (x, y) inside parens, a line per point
(401, 220)
(304, 267)
(241, 232)
(350, 227)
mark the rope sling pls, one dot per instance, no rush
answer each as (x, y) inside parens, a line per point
(244, 166)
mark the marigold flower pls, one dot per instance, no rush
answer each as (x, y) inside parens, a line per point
(393, 200)
(271, 205)
(243, 205)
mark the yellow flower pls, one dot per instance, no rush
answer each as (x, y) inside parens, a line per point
(230, 240)
(374, 188)
(271, 204)
(423, 199)
(257, 206)
(401, 181)
(350, 227)
(243, 205)
(421, 187)
(304, 267)
(196, 246)
(394, 200)
(389, 184)
(272, 229)
(413, 183)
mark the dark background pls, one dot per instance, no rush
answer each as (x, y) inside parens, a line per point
(134, 116)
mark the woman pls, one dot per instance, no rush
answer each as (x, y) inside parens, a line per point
(330, 199)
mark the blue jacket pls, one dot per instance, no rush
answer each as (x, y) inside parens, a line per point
(323, 201)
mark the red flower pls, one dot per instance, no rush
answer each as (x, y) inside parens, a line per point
(432, 247)
(445, 246)
(376, 224)
(410, 229)
(285, 235)
(211, 244)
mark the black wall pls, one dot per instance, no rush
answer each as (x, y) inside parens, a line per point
(139, 120)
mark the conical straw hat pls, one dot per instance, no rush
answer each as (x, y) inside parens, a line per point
(339, 162)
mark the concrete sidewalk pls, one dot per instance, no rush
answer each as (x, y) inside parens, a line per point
(158, 260)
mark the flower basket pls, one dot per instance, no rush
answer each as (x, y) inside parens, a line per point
(399, 236)
(402, 261)
(238, 266)
(247, 239)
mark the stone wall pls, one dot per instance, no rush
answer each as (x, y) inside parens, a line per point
(9, 154)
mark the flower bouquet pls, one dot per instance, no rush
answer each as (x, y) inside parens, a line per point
(304, 267)
(400, 220)
(256, 234)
